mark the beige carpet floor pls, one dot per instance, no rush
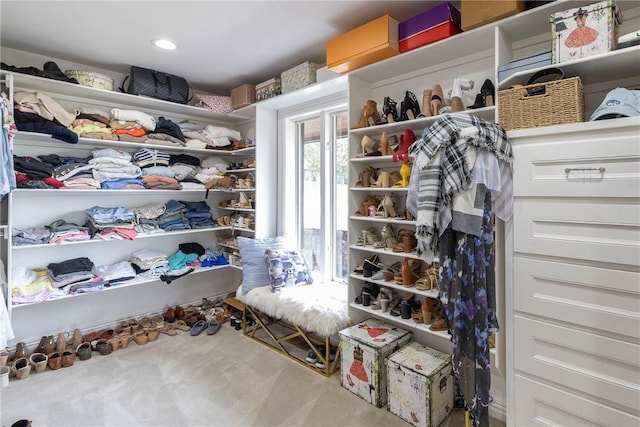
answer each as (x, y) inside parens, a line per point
(220, 380)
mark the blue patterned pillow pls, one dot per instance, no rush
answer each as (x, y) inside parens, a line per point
(254, 272)
(287, 269)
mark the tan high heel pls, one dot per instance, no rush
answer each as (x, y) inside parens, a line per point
(368, 145)
(388, 205)
(426, 103)
(437, 99)
(385, 150)
(370, 115)
(384, 180)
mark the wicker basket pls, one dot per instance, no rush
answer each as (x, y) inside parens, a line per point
(243, 96)
(562, 102)
(91, 79)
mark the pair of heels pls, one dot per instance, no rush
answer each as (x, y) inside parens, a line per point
(486, 96)
(432, 101)
(370, 115)
(406, 140)
(409, 107)
(371, 147)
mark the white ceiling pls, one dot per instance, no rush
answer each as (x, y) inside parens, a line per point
(221, 44)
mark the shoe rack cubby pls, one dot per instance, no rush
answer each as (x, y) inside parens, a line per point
(38, 207)
(475, 55)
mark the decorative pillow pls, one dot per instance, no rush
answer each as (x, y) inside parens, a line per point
(287, 269)
(254, 270)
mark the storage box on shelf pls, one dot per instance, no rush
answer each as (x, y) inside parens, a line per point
(367, 44)
(242, 96)
(584, 31)
(421, 385)
(534, 61)
(268, 89)
(364, 348)
(299, 76)
(478, 13)
(91, 79)
(435, 24)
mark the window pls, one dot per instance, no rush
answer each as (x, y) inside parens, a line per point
(316, 189)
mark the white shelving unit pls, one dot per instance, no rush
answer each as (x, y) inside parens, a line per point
(38, 207)
(475, 55)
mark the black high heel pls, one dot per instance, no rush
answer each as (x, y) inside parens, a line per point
(390, 110)
(478, 103)
(488, 92)
(409, 108)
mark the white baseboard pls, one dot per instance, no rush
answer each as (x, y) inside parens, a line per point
(498, 411)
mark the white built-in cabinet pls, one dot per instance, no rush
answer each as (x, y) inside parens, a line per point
(567, 264)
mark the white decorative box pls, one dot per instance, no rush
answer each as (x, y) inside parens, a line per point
(364, 349)
(268, 89)
(584, 31)
(299, 76)
(420, 385)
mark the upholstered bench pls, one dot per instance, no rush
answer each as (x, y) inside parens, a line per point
(307, 315)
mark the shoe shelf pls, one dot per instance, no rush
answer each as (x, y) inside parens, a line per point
(122, 285)
(229, 208)
(417, 125)
(391, 284)
(383, 220)
(245, 170)
(384, 251)
(379, 189)
(404, 323)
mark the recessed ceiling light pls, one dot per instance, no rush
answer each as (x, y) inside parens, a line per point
(164, 44)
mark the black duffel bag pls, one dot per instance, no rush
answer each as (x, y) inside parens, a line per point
(156, 84)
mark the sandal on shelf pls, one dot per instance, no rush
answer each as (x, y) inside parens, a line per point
(426, 103)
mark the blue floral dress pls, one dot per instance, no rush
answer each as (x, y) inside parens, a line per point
(467, 293)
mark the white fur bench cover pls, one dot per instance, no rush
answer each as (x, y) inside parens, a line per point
(321, 308)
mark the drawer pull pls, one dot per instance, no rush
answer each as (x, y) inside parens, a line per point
(569, 170)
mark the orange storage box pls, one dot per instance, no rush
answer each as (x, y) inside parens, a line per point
(367, 44)
(477, 13)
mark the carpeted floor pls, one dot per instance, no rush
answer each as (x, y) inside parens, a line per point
(219, 380)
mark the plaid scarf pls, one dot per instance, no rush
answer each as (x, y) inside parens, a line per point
(440, 156)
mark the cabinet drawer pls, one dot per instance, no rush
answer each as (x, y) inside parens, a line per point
(605, 368)
(594, 297)
(579, 229)
(554, 167)
(538, 404)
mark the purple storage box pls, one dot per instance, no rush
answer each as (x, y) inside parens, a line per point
(444, 12)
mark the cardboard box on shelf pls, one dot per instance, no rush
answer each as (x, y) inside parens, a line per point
(477, 13)
(367, 44)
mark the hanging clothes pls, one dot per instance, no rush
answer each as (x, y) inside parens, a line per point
(461, 164)
(467, 294)
(9, 129)
(443, 170)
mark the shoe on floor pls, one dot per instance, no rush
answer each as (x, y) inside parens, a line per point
(332, 357)
(214, 326)
(312, 357)
(198, 327)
